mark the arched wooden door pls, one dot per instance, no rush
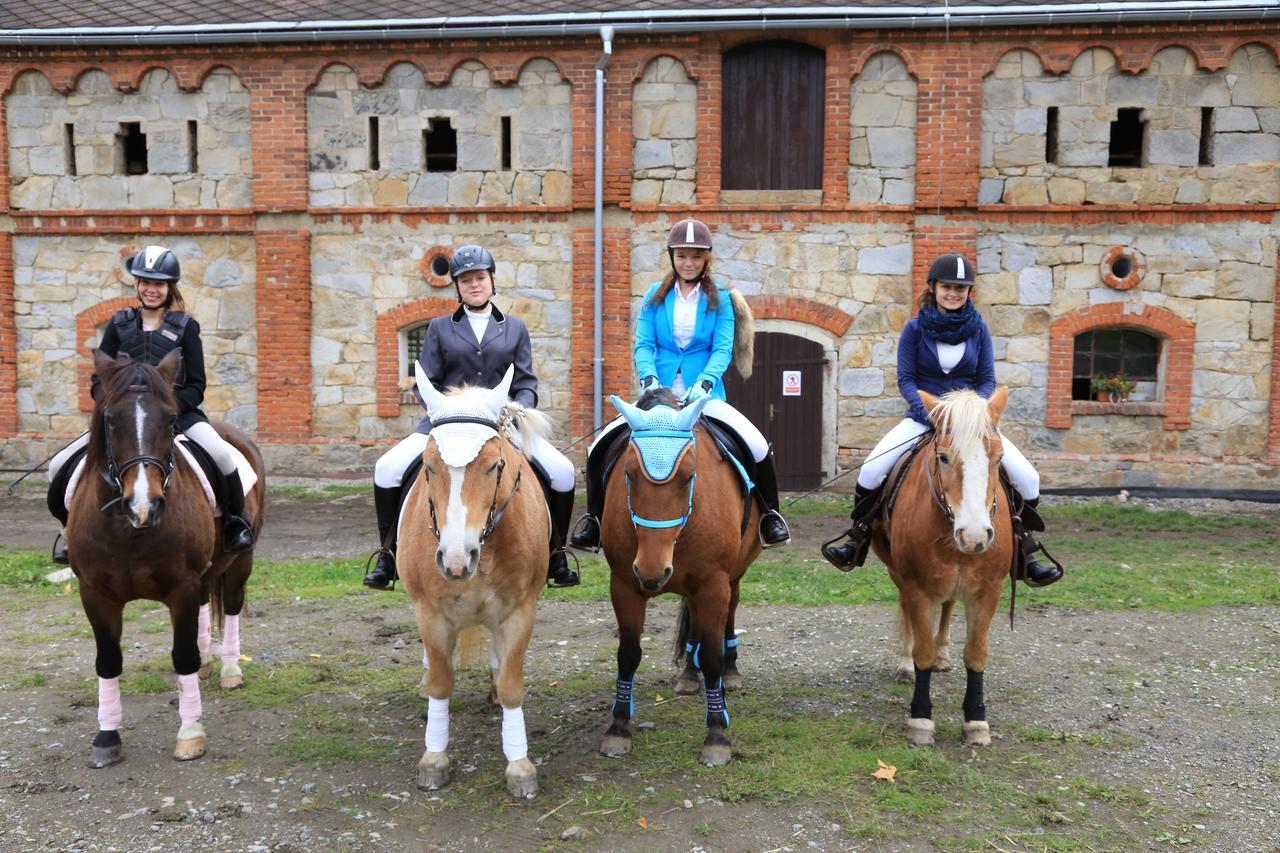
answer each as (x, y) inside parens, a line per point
(783, 398)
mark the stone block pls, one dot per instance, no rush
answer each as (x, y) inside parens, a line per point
(1187, 286)
(431, 189)
(1016, 256)
(1250, 282)
(990, 190)
(1229, 148)
(557, 190)
(888, 260)
(1022, 151)
(1026, 191)
(1192, 191)
(1125, 90)
(391, 192)
(1222, 320)
(874, 109)
(862, 382)
(899, 192)
(222, 272)
(1235, 120)
(1035, 286)
(678, 192)
(1256, 90)
(646, 191)
(541, 152)
(464, 188)
(1030, 121)
(674, 121)
(653, 154)
(892, 147)
(865, 186)
(1109, 193)
(1173, 148)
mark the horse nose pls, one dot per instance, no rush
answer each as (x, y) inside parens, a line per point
(452, 566)
(991, 535)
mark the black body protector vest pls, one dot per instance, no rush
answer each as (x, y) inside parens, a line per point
(154, 346)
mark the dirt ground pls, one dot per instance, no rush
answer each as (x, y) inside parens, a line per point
(1182, 707)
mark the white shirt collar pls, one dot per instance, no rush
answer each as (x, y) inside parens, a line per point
(693, 294)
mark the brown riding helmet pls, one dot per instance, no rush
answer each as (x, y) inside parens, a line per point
(689, 234)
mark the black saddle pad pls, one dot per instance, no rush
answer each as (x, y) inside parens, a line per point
(57, 495)
(731, 444)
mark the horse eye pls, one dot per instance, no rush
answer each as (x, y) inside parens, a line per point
(492, 468)
(944, 458)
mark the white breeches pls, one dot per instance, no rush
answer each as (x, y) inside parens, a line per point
(388, 473)
(721, 411)
(206, 436)
(895, 443)
(56, 463)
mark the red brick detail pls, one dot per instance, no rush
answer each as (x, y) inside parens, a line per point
(1137, 268)
(278, 125)
(388, 346)
(87, 323)
(4, 154)
(283, 260)
(835, 130)
(1178, 336)
(949, 122)
(710, 78)
(8, 327)
(1273, 414)
(927, 243)
(802, 310)
(429, 275)
(615, 335)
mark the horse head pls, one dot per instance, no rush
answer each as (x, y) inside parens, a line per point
(660, 471)
(965, 459)
(132, 433)
(464, 472)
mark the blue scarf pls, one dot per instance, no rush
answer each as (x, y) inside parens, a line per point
(950, 327)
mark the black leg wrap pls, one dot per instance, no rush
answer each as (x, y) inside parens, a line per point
(921, 704)
(106, 738)
(624, 703)
(974, 710)
(717, 711)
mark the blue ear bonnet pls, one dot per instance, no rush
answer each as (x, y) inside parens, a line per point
(661, 443)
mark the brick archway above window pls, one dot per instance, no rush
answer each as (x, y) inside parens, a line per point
(1177, 336)
(87, 323)
(801, 310)
(388, 344)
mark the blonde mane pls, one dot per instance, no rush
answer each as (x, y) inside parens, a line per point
(965, 417)
(514, 417)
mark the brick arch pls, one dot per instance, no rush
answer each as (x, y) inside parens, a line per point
(801, 309)
(140, 71)
(1245, 42)
(324, 65)
(390, 323)
(377, 76)
(22, 71)
(642, 62)
(202, 71)
(1030, 48)
(525, 60)
(70, 81)
(1178, 335)
(1196, 51)
(869, 53)
(87, 322)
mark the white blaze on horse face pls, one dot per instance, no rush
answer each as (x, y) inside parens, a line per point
(140, 505)
(456, 542)
(973, 520)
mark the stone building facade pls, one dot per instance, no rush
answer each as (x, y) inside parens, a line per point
(1106, 179)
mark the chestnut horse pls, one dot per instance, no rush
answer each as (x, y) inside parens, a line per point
(949, 539)
(140, 526)
(671, 523)
(474, 544)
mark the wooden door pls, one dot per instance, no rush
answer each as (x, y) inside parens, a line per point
(783, 398)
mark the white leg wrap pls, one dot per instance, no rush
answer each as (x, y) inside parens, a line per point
(230, 638)
(494, 663)
(437, 739)
(203, 622)
(110, 710)
(515, 745)
(426, 663)
(189, 710)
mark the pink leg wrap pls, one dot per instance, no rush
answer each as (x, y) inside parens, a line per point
(230, 638)
(202, 629)
(110, 711)
(189, 709)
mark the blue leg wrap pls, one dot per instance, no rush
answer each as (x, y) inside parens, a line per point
(625, 699)
(731, 643)
(717, 711)
(695, 651)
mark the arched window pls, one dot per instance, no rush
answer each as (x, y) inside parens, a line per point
(772, 117)
(1131, 354)
(410, 347)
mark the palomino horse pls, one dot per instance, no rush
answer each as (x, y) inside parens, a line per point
(474, 545)
(949, 539)
(671, 524)
(139, 526)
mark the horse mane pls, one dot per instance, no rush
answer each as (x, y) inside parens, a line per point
(965, 416)
(125, 376)
(658, 397)
(526, 421)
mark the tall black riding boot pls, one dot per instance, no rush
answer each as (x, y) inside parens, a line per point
(1037, 573)
(386, 502)
(558, 572)
(237, 532)
(853, 552)
(587, 534)
(773, 527)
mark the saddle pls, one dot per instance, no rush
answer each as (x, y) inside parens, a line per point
(893, 483)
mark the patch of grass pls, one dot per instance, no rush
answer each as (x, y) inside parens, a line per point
(1133, 519)
(317, 493)
(336, 737)
(31, 679)
(145, 682)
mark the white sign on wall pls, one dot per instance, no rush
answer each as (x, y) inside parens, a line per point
(791, 383)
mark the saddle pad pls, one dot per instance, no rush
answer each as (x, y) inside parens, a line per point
(248, 477)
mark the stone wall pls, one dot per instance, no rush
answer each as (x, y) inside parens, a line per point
(338, 138)
(58, 278)
(1243, 151)
(39, 151)
(357, 277)
(882, 133)
(664, 125)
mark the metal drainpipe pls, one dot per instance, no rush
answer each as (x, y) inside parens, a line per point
(597, 308)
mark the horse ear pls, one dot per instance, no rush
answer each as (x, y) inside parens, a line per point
(996, 404)
(930, 402)
(433, 398)
(103, 364)
(688, 416)
(169, 365)
(635, 417)
(498, 396)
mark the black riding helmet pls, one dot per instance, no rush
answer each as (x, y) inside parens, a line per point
(687, 234)
(472, 257)
(952, 269)
(155, 263)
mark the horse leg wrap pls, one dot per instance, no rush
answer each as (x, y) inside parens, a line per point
(921, 704)
(110, 710)
(730, 651)
(426, 664)
(695, 650)
(494, 663)
(230, 639)
(203, 622)
(624, 701)
(437, 739)
(514, 744)
(189, 709)
(717, 711)
(974, 709)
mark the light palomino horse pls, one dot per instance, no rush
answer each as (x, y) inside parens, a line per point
(474, 546)
(949, 539)
(139, 526)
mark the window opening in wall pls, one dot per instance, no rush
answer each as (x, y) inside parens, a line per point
(441, 143)
(1133, 354)
(375, 162)
(1126, 139)
(131, 149)
(440, 265)
(506, 143)
(69, 147)
(1051, 135)
(1122, 266)
(193, 147)
(1206, 136)
(413, 347)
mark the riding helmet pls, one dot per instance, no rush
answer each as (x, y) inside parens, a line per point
(689, 234)
(155, 263)
(952, 269)
(471, 257)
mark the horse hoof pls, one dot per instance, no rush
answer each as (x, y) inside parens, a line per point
(433, 771)
(615, 746)
(231, 682)
(905, 675)
(104, 756)
(189, 749)
(920, 731)
(688, 686)
(733, 682)
(943, 664)
(204, 670)
(716, 754)
(977, 733)
(522, 779)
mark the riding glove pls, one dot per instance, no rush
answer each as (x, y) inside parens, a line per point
(699, 389)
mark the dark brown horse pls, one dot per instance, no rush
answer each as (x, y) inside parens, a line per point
(140, 527)
(671, 523)
(948, 540)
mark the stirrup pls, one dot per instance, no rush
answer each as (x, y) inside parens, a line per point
(577, 528)
(378, 553)
(860, 549)
(61, 558)
(760, 529)
(577, 569)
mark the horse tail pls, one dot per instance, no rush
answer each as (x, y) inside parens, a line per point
(744, 334)
(684, 629)
(217, 608)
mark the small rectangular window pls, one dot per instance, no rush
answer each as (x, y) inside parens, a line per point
(375, 162)
(1206, 136)
(69, 142)
(506, 143)
(131, 149)
(1051, 135)
(413, 347)
(193, 147)
(441, 143)
(1127, 132)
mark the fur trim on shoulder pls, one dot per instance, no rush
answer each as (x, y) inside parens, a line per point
(744, 334)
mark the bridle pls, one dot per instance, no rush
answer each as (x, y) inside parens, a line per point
(934, 481)
(690, 443)
(115, 472)
(496, 512)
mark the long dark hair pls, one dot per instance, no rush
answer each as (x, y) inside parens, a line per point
(708, 287)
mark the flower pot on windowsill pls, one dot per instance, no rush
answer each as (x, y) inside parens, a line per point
(1110, 397)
